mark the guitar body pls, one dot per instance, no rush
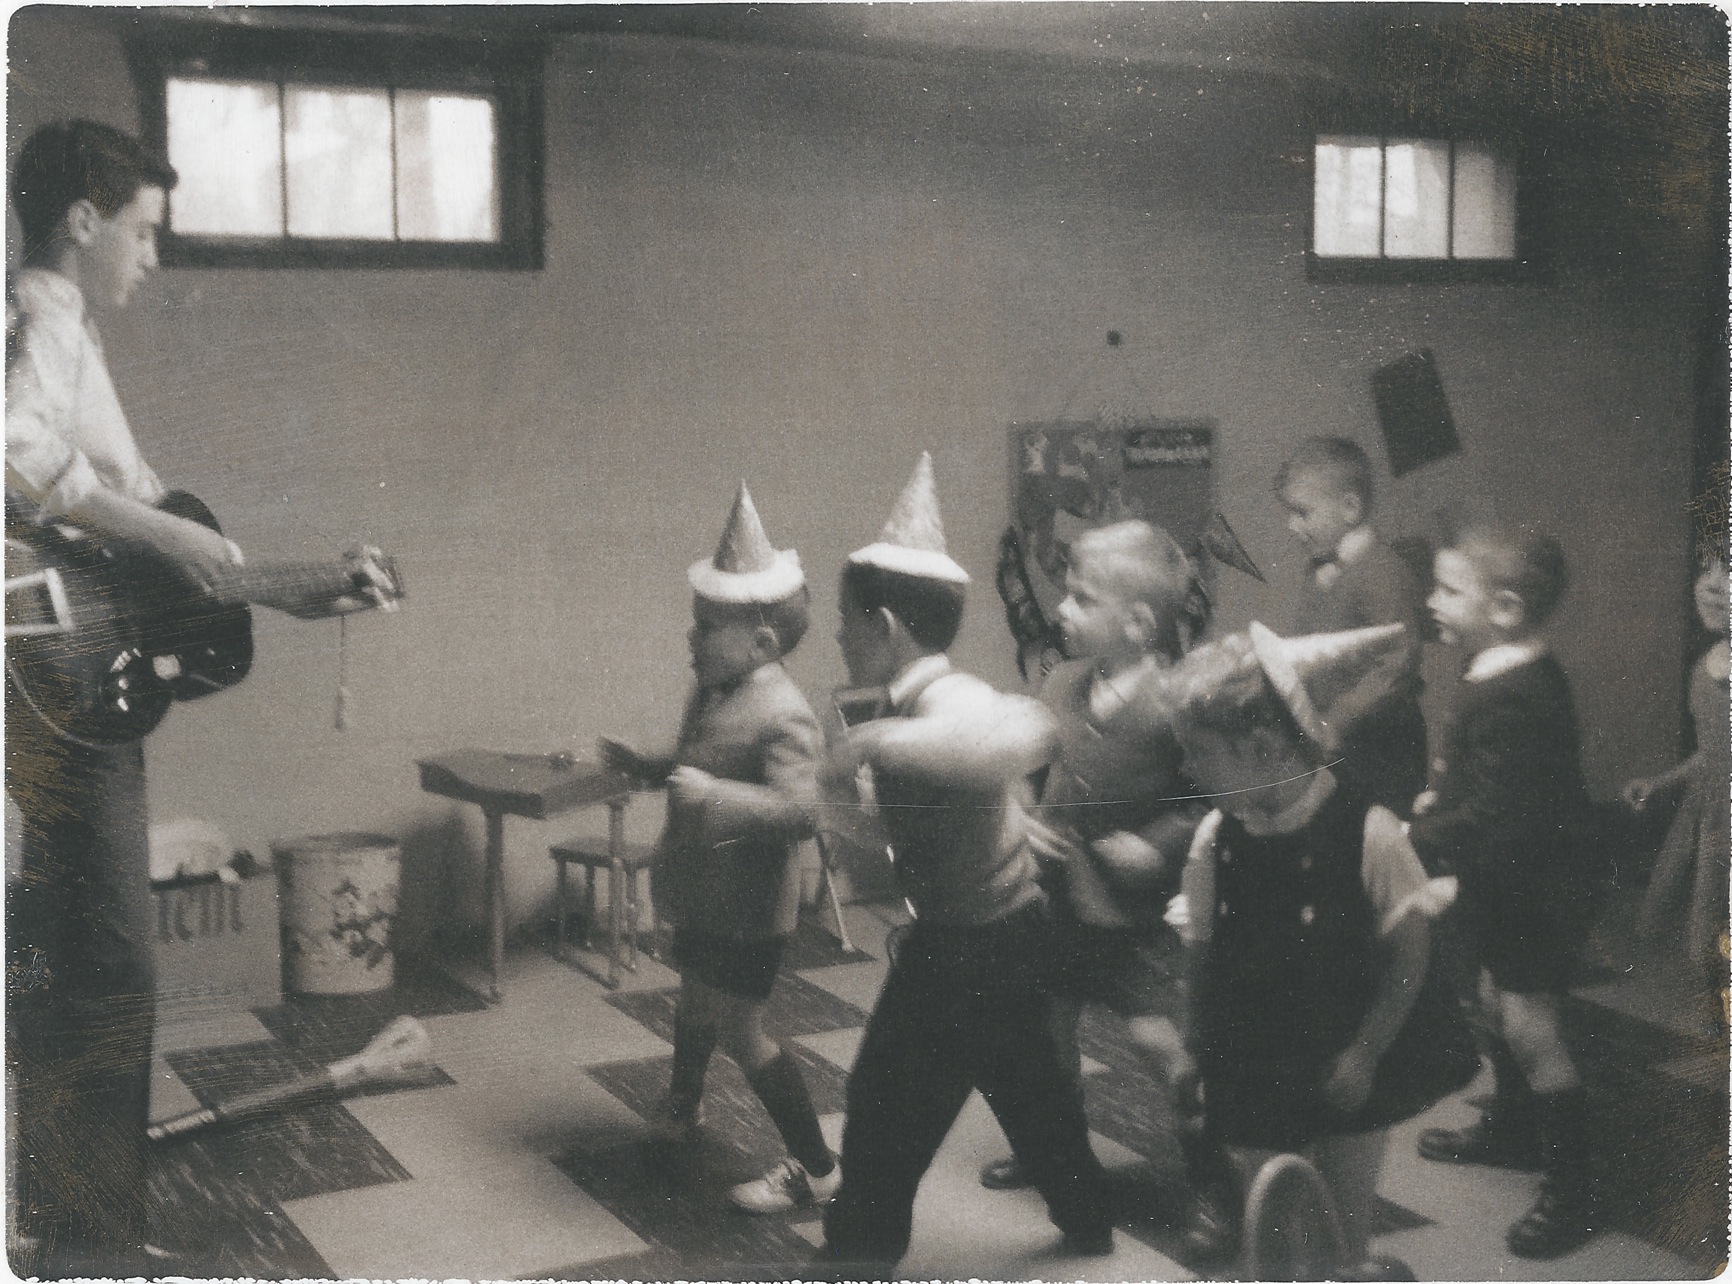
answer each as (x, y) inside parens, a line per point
(140, 635)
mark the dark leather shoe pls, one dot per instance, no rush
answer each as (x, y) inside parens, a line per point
(1089, 1243)
(1006, 1174)
(1484, 1142)
(1559, 1222)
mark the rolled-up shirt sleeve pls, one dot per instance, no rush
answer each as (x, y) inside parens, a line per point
(66, 434)
(41, 387)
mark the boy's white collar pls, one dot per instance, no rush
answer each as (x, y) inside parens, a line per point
(1354, 545)
(1296, 814)
(1500, 659)
(917, 676)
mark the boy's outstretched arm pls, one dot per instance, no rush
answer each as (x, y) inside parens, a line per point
(963, 734)
(784, 807)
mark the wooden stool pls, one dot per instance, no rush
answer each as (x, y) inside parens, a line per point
(624, 863)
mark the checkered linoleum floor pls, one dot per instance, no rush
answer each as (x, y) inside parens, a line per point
(524, 1155)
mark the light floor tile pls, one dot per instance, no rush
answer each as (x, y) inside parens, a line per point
(551, 1112)
(963, 1231)
(1476, 1251)
(209, 1030)
(169, 1096)
(499, 1221)
(838, 1047)
(479, 1046)
(856, 983)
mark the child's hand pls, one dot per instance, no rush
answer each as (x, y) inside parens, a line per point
(1132, 861)
(1349, 1084)
(1049, 844)
(690, 787)
(1638, 793)
(1425, 802)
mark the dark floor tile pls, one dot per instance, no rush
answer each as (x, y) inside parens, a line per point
(1600, 1033)
(814, 944)
(1388, 1217)
(326, 1027)
(676, 1199)
(732, 1111)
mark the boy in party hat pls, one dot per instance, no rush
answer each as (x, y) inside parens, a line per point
(742, 796)
(1309, 917)
(963, 1007)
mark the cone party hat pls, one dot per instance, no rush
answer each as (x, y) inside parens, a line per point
(1312, 673)
(912, 541)
(746, 567)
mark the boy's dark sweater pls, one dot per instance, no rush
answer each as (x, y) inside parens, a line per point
(1511, 801)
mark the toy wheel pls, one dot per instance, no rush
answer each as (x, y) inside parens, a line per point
(1292, 1228)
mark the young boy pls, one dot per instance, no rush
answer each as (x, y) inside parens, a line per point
(1309, 917)
(1507, 813)
(963, 1006)
(1114, 824)
(1355, 581)
(742, 794)
(89, 200)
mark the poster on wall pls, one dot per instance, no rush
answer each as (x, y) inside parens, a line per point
(1069, 476)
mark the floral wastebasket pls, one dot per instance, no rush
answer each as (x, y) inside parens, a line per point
(339, 896)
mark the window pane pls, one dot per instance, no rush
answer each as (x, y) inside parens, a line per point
(224, 140)
(1416, 199)
(1485, 203)
(1345, 215)
(339, 156)
(445, 168)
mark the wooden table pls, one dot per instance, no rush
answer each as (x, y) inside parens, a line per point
(536, 786)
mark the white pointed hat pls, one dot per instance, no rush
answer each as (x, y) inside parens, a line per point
(912, 541)
(1312, 673)
(746, 569)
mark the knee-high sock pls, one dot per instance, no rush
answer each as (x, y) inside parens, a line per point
(693, 1044)
(781, 1088)
(1515, 1103)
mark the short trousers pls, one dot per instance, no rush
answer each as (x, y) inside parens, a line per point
(1528, 939)
(747, 967)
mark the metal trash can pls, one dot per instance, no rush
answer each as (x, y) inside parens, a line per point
(339, 897)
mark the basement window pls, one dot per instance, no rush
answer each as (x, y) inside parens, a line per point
(311, 150)
(1393, 208)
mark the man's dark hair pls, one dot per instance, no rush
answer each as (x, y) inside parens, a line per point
(930, 609)
(80, 160)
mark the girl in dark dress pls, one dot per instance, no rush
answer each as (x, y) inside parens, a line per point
(1309, 919)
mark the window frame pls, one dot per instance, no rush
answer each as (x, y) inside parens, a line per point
(507, 71)
(1528, 266)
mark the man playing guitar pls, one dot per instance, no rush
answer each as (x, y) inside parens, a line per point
(79, 998)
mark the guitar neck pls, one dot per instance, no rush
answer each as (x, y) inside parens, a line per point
(289, 586)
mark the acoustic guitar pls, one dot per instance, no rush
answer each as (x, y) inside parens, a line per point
(102, 638)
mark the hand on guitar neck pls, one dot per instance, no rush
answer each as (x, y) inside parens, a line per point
(106, 630)
(182, 533)
(364, 580)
